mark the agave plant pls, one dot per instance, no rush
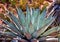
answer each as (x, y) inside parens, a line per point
(33, 25)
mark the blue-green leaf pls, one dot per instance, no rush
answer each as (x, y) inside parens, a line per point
(34, 16)
(21, 16)
(28, 18)
(12, 27)
(41, 30)
(22, 19)
(52, 30)
(15, 20)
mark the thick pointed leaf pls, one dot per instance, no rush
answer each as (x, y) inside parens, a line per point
(35, 13)
(21, 16)
(28, 18)
(15, 20)
(41, 19)
(43, 14)
(40, 31)
(47, 20)
(12, 27)
(34, 17)
(52, 30)
(31, 29)
(10, 34)
(6, 27)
